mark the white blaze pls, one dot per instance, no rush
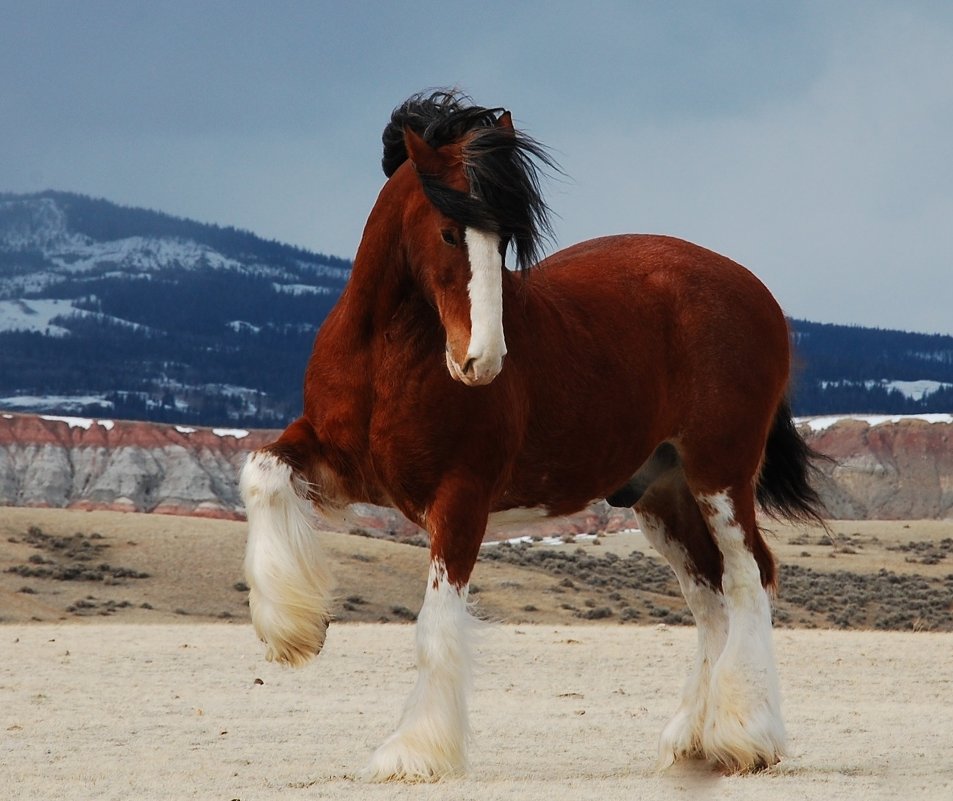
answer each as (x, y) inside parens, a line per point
(487, 345)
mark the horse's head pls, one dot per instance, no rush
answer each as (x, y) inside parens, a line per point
(473, 190)
(457, 261)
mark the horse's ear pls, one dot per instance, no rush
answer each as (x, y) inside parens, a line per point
(505, 121)
(426, 159)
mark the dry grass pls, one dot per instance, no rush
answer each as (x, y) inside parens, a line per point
(64, 565)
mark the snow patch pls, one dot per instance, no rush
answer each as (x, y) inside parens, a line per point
(238, 433)
(35, 315)
(240, 325)
(302, 289)
(916, 390)
(185, 430)
(72, 422)
(553, 540)
(825, 422)
(34, 223)
(78, 422)
(35, 403)
(143, 254)
(326, 270)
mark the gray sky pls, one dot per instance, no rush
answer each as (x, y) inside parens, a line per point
(808, 140)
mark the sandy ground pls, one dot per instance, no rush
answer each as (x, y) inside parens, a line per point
(122, 711)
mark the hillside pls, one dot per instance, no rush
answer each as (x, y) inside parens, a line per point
(70, 565)
(135, 314)
(840, 368)
(141, 315)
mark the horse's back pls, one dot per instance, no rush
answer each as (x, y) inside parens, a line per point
(707, 305)
(646, 266)
(627, 341)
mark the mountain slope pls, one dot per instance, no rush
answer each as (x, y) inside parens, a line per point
(129, 313)
(842, 368)
(138, 314)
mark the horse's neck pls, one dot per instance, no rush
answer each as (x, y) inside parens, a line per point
(341, 372)
(346, 336)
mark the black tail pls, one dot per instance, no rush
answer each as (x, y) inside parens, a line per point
(785, 485)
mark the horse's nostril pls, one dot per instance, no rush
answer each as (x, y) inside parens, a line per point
(468, 365)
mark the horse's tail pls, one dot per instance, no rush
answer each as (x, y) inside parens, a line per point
(785, 486)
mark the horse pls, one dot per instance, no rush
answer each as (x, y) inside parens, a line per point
(641, 369)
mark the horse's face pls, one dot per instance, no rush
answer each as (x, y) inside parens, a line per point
(458, 267)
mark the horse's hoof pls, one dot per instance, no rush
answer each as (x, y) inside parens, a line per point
(396, 760)
(744, 746)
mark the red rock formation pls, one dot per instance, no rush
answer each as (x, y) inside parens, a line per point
(122, 465)
(894, 470)
(889, 470)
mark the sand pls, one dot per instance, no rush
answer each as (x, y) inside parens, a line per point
(133, 711)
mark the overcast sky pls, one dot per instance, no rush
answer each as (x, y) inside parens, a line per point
(811, 141)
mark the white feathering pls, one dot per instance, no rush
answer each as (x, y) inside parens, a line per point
(286, 571)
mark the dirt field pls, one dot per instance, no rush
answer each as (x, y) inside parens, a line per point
(122, 711)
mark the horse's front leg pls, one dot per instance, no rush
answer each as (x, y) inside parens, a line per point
(431, 739)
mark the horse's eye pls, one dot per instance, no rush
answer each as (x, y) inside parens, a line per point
(449, 237)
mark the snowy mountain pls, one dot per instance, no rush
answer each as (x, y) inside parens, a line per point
(128, 313)
(105, 309)
(841, 368)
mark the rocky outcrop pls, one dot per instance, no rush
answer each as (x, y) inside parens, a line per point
(79, 463)
(900, 468)
(885, 468)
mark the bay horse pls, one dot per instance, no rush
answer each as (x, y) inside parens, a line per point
(640, 369)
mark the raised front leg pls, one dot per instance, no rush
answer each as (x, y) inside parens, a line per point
(290, 584)
(431, 740)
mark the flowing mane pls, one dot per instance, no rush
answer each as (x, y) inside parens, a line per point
(502, 166)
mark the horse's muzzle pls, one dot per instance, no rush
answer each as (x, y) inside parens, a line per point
(476, 371)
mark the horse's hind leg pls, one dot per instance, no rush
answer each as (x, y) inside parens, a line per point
(674, 525)
(743, 729)
(289, 582)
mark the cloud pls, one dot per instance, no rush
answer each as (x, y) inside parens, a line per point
(835, 195)
(806, 140)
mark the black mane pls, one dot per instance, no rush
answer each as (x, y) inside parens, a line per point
(501, 164)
